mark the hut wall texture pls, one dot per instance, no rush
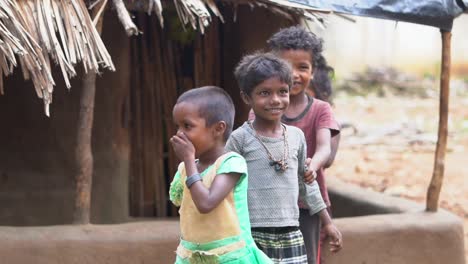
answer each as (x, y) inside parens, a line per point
(36, 152)
(248, 34)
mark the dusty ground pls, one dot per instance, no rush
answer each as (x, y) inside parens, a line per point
(392, 148)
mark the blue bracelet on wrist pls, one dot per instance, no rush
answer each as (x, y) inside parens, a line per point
(192, 179)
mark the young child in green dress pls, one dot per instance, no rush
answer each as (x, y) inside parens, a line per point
(210, 185)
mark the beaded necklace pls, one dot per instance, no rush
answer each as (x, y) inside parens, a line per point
(278, 164)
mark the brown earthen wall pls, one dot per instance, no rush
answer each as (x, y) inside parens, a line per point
(253, 27)
(378, 228)
(406, 237)
(36, 152)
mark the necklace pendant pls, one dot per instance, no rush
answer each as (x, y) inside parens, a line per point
(278, 167)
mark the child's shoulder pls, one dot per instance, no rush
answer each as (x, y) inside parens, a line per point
(241, 130)
(320, 104)
(315, 110)
(231, 162)
(230, 155)
(293, 130)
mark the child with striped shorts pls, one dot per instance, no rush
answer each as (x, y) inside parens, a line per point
(275, 154)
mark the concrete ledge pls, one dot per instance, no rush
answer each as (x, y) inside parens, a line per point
(404, 233)
(426, 238)
(401, 232)
(139, 242)
(352, 200)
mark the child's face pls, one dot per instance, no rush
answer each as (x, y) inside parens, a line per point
(301, 62)
(269, 99)
(187, 120)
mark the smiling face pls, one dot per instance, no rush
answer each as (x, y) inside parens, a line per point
(301, 62)
(269, 100)
(187, 120)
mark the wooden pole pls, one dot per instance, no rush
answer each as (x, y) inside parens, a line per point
(83, 151)
(435, 186)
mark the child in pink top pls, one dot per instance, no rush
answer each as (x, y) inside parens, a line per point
(315, 118)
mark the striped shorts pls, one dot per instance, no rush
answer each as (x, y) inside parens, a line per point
(284, 245)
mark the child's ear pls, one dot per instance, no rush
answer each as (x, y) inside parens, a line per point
(220, 127)
(245, 98)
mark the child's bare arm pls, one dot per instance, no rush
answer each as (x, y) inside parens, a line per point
(208, 199)
(335, 142)
(205, 199)
(336, 239)
(322, 150)
(309, 193)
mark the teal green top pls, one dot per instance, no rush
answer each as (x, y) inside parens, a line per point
(233, 163)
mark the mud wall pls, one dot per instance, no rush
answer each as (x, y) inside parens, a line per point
(143, 242)
(36, 152)
(405, 237)
(378, 228)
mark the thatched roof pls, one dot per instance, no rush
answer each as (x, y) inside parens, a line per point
(198, 13)
(34, 32)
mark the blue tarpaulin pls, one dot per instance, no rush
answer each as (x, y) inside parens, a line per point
(436, 13)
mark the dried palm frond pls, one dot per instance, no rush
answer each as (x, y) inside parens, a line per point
(193, 12)
(197, 12)
(148, 6)
(125, 19)
(288, 9)
(37, 31)
(156, 6)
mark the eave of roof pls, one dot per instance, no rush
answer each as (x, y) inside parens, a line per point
(34, 33)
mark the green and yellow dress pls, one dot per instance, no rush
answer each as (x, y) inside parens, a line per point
(222, 235)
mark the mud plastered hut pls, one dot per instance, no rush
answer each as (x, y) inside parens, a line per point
(47, 42)
(39, 167)
(180, 45)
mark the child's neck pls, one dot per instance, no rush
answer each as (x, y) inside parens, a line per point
(268, 128)
(297, 104)
(210, 157)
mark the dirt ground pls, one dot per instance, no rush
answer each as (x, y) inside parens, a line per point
(390, 143)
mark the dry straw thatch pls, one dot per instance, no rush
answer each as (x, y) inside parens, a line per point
(35, 32)
(197, 12)
(38, 31)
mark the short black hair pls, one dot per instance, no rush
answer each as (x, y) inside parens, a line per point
(214, 105)
(258, 67)
(297, 38)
